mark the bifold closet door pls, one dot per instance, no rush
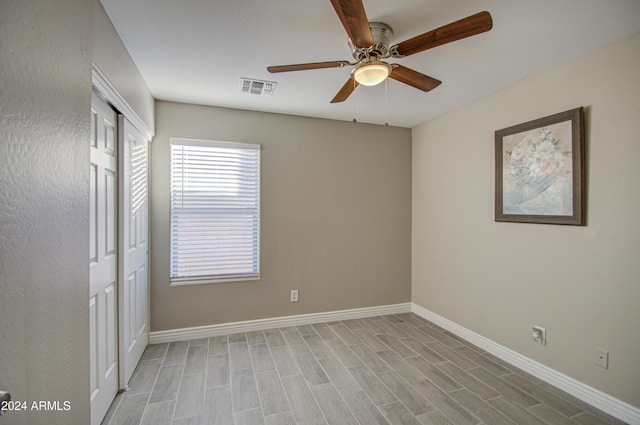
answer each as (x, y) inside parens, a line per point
(134, 248)
(103, 258)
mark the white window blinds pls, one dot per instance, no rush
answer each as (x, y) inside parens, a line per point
(215, 211)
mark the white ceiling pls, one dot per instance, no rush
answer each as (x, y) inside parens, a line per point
(196, 51)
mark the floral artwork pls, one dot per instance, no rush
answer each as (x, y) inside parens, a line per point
(540, 170)
(537, 171)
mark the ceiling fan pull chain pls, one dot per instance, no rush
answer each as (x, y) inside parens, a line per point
(386, 95)
(355, 101)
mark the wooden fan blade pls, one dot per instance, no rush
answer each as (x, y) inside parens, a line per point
(354, 20)
(413, 78)
(466, 27)
(345, 91)
(305, 66)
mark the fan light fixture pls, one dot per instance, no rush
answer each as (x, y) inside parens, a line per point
(372, 73)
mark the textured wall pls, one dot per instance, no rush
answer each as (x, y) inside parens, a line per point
(46, 50)
(336, 217)
(498, 279)
(45, 89)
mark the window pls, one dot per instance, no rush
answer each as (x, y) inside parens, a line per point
(215, 211)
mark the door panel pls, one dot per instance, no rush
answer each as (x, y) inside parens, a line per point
(103, 260)
(134, 250)
(93, 207)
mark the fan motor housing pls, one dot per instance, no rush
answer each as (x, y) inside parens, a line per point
(382, 35)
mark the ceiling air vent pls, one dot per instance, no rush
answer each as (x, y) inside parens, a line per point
(259, 87)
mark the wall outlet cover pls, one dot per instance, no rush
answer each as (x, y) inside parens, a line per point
(602, 358)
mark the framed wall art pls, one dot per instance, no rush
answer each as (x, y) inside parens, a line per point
(540, 170)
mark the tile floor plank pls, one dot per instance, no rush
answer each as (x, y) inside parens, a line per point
(158, 413)
(440, 336)
(219, 345)
(401, 366)
(346, 335)
(451, 355)
(249, 417)
(392, 329)
(396, 345)
(550, 415)
(311, 369)
(284, 361)
(318, 347)
(274, 338)
(196, 361)
(587, 418)
(294, 340)
(405, 393)
(218, 406)
(302, 401)
(540, 393)
(485, 412)
(372, 326)
(363, 409)
(244, 391)
(130, 410)
(415, 333)
(280, 419)
(167, 383)
(272, 396)
(516, 395)
(332, 406)
(218, 372)
(434, 374)
(343, 352)
(515, 412)
(261, 357)
(176, 353)
(476, 386)
(155, 351)
(144, 376)
(372, 385)
(482, 361)
(256, 337)
(373, 342)
(435, 418)
(398, 414)
(369, 358)
(339, 376)
(239, 357)
(239, 337)
(324, 331)
(445, 404)
(190, 396)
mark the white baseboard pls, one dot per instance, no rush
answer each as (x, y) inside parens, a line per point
(274, 322)
(584, 392)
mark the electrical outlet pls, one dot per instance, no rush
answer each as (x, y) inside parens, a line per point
(602, 358)
(294, 295)
(539, 334)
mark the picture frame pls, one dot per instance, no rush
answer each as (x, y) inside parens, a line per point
(540, 170)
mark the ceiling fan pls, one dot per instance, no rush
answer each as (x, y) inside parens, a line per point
(370, 43)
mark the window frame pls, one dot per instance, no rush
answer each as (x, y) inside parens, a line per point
(180, 280)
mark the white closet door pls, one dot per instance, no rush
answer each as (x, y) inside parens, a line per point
(103, 258)
(134, 248)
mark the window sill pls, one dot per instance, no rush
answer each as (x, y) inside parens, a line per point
(208, 281)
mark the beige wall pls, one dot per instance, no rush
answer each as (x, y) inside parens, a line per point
(336, 217)
(45, 91)
(498, 279)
